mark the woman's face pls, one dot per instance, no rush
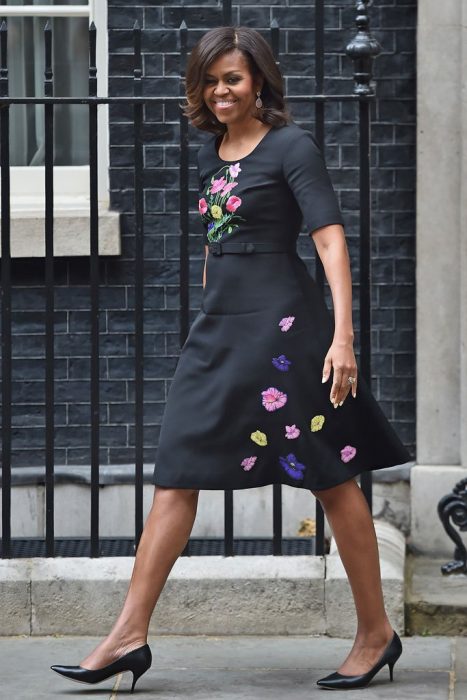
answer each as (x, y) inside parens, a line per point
(229, 89)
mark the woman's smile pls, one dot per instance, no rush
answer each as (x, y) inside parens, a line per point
(224, 104)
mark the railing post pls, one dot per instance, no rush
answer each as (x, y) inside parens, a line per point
(5, 297)
(362, 50)
(49, 296)
(227, 12)
(184, 195)
(277, 529)
(139, 281)
(319, 268)
(184, 174)
(94, 289)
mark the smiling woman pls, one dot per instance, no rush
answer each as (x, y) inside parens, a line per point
(250, 403)
(222, 80)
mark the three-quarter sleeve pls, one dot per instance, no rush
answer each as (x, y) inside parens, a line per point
(305, 171)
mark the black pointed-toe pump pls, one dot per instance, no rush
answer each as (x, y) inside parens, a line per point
(137, 661)
(390, 655)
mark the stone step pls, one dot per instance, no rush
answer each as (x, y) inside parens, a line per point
(203, 594)
(435, 603)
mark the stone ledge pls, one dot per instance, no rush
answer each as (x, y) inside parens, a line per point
(203, 595)
(71, 233)
(435, 603)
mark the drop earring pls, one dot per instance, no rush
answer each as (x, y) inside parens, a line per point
(259, 101)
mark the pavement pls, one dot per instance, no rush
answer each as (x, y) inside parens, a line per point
(240, 667)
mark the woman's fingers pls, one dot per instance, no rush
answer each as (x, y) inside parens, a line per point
(336, 387)
(341, 386)
(340, 381)
(326, 368)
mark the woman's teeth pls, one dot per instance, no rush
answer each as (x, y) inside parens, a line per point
(224, 105)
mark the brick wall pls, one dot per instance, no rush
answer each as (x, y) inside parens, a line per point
(393, 181)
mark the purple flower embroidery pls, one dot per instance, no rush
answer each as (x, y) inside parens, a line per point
(348, 452)
(291, 432)
(249, 462)
(286, 323)
(273, 398)
(281, 363)
(293, 468)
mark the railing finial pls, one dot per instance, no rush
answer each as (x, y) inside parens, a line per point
(362, 50)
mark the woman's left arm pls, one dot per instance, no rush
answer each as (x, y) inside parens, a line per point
(332, 249)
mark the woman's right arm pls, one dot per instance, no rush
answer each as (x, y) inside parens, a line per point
(206, 250)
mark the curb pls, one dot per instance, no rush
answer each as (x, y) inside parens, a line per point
(213, 595)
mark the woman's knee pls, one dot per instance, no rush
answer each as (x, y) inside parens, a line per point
(334, 492)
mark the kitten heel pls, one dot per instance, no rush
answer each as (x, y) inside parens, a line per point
(390, 655)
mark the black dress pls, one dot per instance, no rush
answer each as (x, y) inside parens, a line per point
(246, 406)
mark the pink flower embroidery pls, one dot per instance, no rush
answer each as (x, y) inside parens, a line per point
(234, 170)
(347, 453)
(249, 462)
(229, 186)
(218, 185)
(273, 398)
(219, 210)
(291, 432)
(286, 323)
(233, 203)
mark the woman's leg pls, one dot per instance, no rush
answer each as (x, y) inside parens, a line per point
(351, 522)
(165, 534)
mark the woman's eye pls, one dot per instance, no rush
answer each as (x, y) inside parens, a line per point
(233, 80)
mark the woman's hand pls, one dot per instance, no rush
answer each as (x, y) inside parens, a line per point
(341, 358)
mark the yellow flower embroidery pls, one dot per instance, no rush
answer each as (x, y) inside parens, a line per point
(316, 423)
(259, 437)
(216, 211)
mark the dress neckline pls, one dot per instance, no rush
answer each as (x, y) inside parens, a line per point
(237, 160)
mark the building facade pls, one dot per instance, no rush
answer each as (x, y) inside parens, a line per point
(393, 183)
(418, 162)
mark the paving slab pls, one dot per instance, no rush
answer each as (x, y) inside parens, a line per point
(224, 668)
(461, 660)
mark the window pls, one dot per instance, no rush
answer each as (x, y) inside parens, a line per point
(70, 21)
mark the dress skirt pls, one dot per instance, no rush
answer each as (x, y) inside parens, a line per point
(247, 407)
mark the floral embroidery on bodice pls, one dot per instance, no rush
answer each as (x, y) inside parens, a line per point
(218, 208)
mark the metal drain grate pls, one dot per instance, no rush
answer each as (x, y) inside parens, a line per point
(124, 547)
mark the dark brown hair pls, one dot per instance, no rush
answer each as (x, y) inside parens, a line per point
(261, 61)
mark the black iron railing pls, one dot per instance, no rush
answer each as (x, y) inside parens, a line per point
(362, 51)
